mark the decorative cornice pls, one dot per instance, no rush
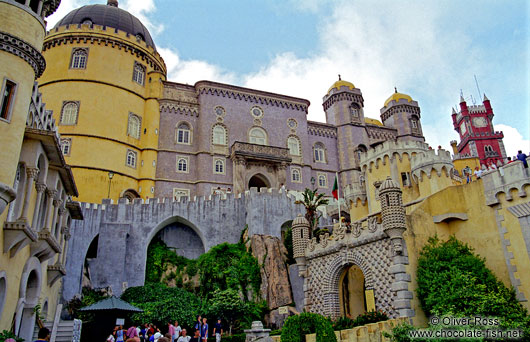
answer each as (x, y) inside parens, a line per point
(24, 50)
(177, 107)
(322, 130)
(343, 96)
(412, 109)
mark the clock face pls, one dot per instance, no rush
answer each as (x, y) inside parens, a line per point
(463, 128)
(480, 122)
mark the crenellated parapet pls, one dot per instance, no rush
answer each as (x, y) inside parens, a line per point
(510, 177)
(38, 116)
(425, 162)
(107, 36)
(376, 156)
(355, 192)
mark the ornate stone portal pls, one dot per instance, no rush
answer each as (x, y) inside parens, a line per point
(268, 163)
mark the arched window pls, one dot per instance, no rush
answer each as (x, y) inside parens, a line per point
(65, 146)
(258, 136)
(414, 122)
(133, 128)
(354, 111)
(294, 146)
(139, 73)
(219, 166)
(183, 133)
(296, 176)
(79, 59)
(69, 113)
(131, 158)
(219, 135)
(320, 153)
(322, 181)
(182, 165)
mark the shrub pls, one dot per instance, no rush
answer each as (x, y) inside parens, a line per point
(297, 326)
(288, 243)
(4, 335)
(365, 318)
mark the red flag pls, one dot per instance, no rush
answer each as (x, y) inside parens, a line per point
(335, 191)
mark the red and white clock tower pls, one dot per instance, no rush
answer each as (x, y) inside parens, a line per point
(477, 136)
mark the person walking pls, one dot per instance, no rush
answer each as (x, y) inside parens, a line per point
(119, 333)
(204, 330)
(171, 331)
(218, 330)
(177, 331)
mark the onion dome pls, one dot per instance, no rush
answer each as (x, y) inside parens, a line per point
(110, 16)
(371, 121)
(397, 96)
(388, 185)
(341, 83)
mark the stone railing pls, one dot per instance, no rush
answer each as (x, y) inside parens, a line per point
(513, 176)
(255, 151)
(352, 234)
(425, 162)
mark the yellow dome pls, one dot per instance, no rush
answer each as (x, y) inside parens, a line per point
(397, 96)
(341, 83)
(373, 121)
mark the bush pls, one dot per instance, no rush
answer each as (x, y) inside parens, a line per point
(4, 335)
(365, 318)
(288, 243)
(297, 326)
(162, 304)
(453, 281)
(88, 297)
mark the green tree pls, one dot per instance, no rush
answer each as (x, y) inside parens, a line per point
(297, 326)
(312, 200)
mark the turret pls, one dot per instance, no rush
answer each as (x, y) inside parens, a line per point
(344, 104)
(403, 113)
(301, 238)
(392, 213)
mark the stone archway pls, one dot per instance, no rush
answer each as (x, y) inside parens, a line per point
(258, 181)
(332, 280)
(29, 292)
(352, 292)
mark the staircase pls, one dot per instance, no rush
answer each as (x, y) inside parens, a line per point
(67, 331)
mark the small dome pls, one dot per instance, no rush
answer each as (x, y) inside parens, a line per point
(341, 83)
(397, 96)
(111, 16)
(373, 122)
(300, 221)
(388, 184)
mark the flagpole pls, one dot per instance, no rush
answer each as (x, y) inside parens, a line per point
(338, 197)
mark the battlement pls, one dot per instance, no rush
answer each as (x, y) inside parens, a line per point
(377, 155)
(427, 161)
(354, 192)
(38, 116)
(510, 177)
(97, 34)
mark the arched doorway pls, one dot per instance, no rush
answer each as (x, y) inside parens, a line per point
(30, 288)
(352, 292)
(258, 181)
(130, 194)
(182, 239)
(90, 259)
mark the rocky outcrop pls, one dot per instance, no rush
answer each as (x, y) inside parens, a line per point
(271, 255)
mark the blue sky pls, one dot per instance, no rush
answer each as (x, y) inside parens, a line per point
(427, 49)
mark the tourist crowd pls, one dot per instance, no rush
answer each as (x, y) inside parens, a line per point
(173, 333)
(468, 173)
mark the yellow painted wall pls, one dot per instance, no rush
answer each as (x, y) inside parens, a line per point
(107, 94)
(461, 164)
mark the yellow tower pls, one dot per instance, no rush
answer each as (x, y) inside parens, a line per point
(103, 86)
(22, 30)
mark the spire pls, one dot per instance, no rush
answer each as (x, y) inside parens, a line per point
(462, 99)
(454, 111)
(113, 3)
(485, 98)
(395, 90)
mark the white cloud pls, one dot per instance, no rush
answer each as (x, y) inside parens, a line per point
(513, 140)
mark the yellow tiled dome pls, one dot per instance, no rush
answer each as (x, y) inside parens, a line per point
(341, 83)
(373, 121)
(397, 96)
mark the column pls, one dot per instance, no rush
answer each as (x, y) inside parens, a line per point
(49, 207)
(56, 204)
(65, 246)
(40, 189)
(63, 230)
(39, 9)
(239, 175)
(32, 174)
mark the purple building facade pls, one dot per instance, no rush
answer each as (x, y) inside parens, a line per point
(218, 138)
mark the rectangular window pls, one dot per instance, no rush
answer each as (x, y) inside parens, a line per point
(7, 100)
(322, 180)
(139, 73)
(79, 58)
(131, 158)
(405, 178)
(183, 164)
(180, 193)
(66, 145)
(218, 166)
(296, 175)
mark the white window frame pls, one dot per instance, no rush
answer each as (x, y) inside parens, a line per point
(295, 170)
(215, 137)
(11, 99)
(180, 192)
(131, 163)
(254, 139)
(319, 150)
(79, 62)
(223, 166)
(66, 146)
(298, 146)
(185, 133)
(185, 169)
(320, 176)
(72, 117)
(139, 72)
(130, 130)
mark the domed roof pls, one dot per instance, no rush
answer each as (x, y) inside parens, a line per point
(110, 16)
(373, 122)
(388, 184)
(300, 221)
(397, 96)
(341, 83)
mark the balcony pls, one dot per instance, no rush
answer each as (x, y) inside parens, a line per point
(260, 152)
(17, 235)
(55, 272)
(46, 246)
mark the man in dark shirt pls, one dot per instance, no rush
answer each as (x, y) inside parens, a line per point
(218, 330)
(44, 335)
(522, 157)
(197, 337)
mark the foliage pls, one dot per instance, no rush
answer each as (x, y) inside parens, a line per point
(227, 305)
(312, 200)
(159, 258)
(453, 281)
(162, 304)
(400, 333)
(297, 326)
(365, 318)
(275, 332)
(228, 266)
(4, 335)
(88, 297)
(288, 243)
